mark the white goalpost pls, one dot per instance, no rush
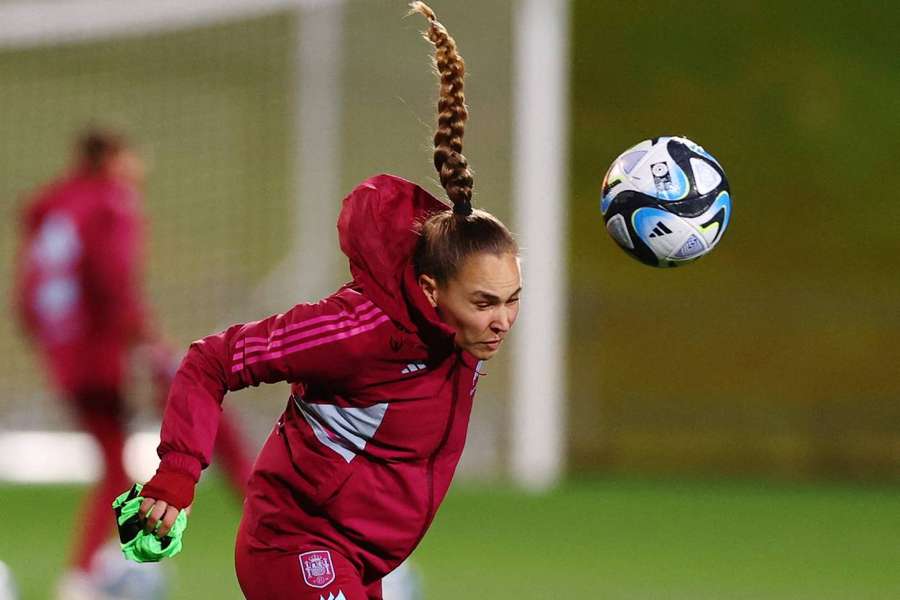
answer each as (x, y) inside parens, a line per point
(319, 168)
(541, 193)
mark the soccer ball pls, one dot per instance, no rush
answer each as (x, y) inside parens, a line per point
(666, 201)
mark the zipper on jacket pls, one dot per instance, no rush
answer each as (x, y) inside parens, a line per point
(432, 460)
(282, 432)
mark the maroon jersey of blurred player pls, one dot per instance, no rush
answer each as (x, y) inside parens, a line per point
(78, 294)
(358, 463)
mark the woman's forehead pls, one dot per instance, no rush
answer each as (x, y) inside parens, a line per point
(492, 273)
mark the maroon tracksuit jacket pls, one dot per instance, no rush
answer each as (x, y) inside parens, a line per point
(380, 400)
(77, 288)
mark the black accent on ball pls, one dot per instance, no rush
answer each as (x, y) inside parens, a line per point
(625, 203)
(695, 204)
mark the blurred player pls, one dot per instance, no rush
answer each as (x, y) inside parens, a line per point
(383, 376)
(78, 296)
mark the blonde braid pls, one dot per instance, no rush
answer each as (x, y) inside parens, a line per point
(449, 161)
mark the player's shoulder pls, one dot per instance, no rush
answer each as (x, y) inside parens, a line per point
(357, 317)
(115, 201)
(379, 347)
(356, 307)
(349, 295)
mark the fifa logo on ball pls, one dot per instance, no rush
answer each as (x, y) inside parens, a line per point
(661, 177)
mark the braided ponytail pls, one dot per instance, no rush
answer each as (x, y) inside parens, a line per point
(451, 165)
(447, 239)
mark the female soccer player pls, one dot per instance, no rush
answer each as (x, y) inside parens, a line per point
(382, 372)
(79, 299)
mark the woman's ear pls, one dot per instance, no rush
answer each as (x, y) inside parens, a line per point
(429, 288)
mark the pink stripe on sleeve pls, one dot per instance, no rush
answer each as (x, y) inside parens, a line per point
(311, 344)
(248, 340)
(307, 323)
(325, 318)
(311, 333)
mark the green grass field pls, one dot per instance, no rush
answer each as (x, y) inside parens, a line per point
(608, 538)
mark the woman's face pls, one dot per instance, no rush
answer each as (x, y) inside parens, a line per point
(480, 303)
(127, 167)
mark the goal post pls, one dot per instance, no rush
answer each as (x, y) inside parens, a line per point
(540, 162)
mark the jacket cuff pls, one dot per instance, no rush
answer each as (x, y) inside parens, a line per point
(173, 486)
(185, 463)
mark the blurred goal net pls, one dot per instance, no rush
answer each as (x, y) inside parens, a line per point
(256, 118)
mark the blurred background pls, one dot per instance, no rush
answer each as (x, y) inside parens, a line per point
(730, 429)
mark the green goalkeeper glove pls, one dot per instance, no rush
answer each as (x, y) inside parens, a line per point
(136, 544)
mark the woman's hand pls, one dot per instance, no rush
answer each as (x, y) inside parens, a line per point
(157, 513)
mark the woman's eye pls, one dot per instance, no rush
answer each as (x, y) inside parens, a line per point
(482, 305)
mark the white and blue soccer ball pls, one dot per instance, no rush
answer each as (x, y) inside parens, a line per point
(666, 201)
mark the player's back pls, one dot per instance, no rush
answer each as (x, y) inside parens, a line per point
(79, 240)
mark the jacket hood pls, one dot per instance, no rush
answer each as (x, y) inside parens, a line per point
(377, 232)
